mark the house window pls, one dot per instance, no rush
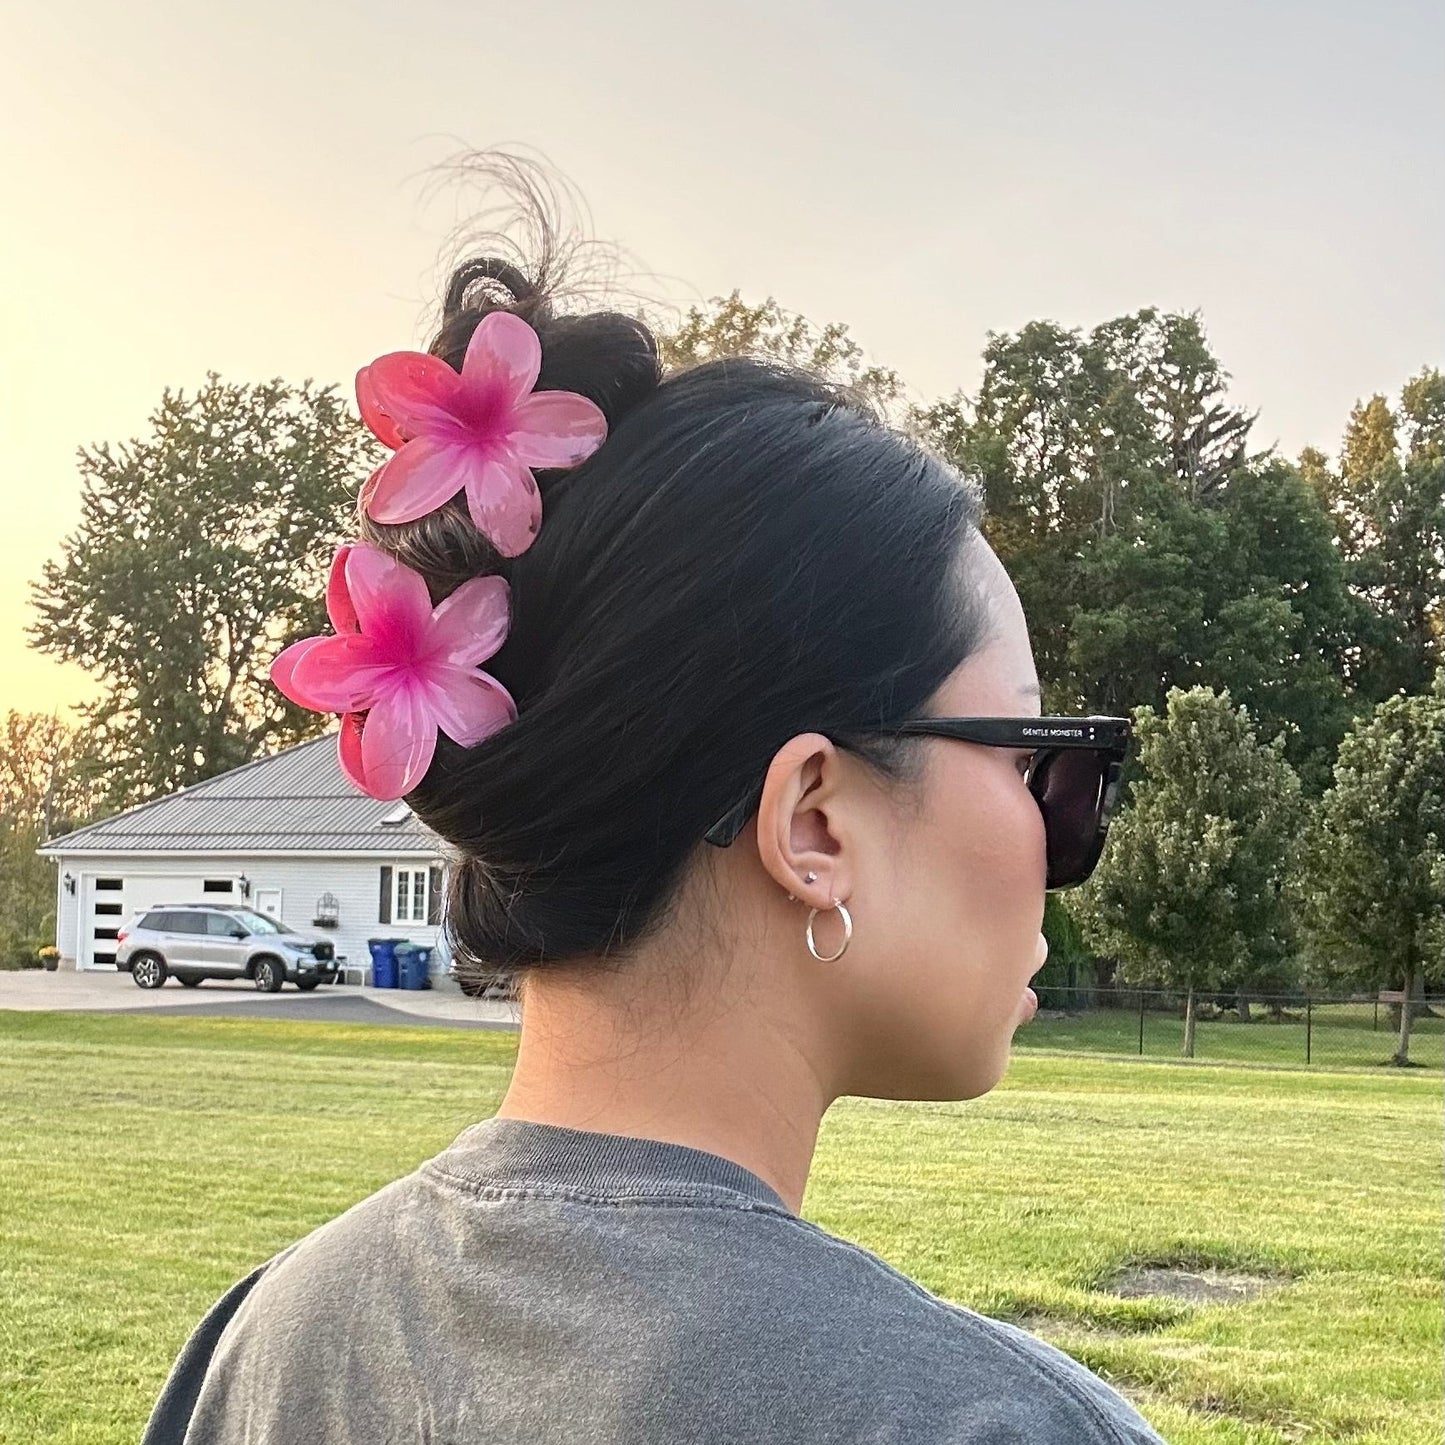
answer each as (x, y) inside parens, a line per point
(217, 885)
(409, 895)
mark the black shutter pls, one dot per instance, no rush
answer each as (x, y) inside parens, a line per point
(383, 913)
(434, 896)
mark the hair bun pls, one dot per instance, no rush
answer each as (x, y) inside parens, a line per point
(609, 358)
(477, 272)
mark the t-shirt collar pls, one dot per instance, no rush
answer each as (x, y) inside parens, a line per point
(522, 1153)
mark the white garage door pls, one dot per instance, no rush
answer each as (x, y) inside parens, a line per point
(110, 900)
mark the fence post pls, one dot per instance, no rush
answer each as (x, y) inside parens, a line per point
(1377, 1014)
(1141, 1023)
(1309, 1026)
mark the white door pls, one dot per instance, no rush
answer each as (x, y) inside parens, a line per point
(268, 901)
(103, 912)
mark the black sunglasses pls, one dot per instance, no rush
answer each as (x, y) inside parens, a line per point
(1073, 775)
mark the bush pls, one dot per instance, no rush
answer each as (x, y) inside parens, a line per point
(17, 952)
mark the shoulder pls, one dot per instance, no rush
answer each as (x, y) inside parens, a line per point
(239, 1345)
(966, 1372)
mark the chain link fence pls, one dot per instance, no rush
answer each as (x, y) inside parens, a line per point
(1295, 1029)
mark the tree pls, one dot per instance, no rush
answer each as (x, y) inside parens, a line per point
(1387, 502)
(1422, 407)
(1151, 549)
(1189, 892)
(46, 788)
(1372, 880)
(729, 326)
(1070, 433)
(201, 551)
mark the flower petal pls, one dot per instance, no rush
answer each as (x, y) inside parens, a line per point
(468, 626)
(283, 668)
(392, 604)
(468, 705)
(417, 480)
(504, 502)
(416, 391)
(338, 599)
(348, 749)
(382, 425)
(505, 350)
(338, 674)
(368, 487)
(557, 429)
(398, 741)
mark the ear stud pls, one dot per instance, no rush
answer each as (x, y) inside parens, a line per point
(808, 877)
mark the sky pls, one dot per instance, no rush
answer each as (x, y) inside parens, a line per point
(192, 188)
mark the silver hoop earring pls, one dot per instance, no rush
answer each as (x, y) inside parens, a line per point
(847, 934)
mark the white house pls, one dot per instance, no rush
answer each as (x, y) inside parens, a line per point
(287, 834)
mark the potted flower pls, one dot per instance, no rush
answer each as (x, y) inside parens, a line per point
(50, 957)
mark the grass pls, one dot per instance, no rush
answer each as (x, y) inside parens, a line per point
(1340, 1036)
(150, 1161)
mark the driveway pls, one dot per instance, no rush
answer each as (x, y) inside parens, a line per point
(104, 992)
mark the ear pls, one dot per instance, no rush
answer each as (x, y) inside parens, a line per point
(804, 821)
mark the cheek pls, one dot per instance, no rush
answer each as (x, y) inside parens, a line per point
(984, 898)
(956, 925)
(992, 836)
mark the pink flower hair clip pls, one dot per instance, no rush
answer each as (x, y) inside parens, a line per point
(409, 667)
(481, 430)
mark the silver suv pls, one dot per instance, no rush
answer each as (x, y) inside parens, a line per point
(200, 940)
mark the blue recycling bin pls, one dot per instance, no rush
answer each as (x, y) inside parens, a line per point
(383, 962)
(414, 965)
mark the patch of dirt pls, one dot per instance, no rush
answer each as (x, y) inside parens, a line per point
(1203, 1287)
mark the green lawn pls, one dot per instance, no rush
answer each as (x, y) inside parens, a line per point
(150, 1161)
(1340, 1036)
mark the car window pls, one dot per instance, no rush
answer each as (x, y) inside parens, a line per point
(222, 925)
(159, 921)
(187, 922)
(254, 922)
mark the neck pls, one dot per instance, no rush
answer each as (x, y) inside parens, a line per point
(727, 1078)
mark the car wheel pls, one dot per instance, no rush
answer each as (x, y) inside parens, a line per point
(307, 984)
(269, 975)
(188, 981)
(148, 970)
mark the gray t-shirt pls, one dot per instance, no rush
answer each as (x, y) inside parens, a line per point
(534, 1283)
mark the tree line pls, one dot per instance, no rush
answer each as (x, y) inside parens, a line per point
(1273, 626)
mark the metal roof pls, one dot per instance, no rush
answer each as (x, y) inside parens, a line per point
(293, 801)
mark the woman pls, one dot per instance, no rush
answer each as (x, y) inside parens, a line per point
(732, 888)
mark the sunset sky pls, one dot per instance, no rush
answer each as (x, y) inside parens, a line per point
(240, 189)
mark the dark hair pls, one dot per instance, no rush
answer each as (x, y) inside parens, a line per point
(751, 554)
